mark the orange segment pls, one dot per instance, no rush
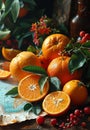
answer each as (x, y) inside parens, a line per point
(56, 103)
(4, 74)
(9, 54)
(29, 88)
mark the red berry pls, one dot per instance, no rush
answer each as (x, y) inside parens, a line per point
(82, 33)
(77, 112)
(40, 120)
(84, 39)
(54, 121)
(87, 36)
(83, 124)
(87, 110)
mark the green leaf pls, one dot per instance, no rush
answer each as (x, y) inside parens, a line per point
(31, 49)
(35, 69)
(0, 4)
(28, 106)
(86, 44)
(42, 82)
(4, 33)
(15, 10)
(37, 108)
(77, 61)
(86, 52)
(55, 84)
(13, 91)
(31, 2)
(68, 47)
(8, 6)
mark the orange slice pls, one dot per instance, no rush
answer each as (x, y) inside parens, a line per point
(56, 103)
(5, 65)
(9, 53)
(29, 88)
(4, 74)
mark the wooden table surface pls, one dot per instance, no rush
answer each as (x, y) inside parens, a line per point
(31, 125)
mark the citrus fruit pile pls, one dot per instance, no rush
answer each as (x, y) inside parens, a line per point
(53, 62)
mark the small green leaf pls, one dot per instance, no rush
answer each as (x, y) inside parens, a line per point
(37, 109)
(13, 91)
(86, 44)
(15, 10)
(35, 69)
(28, 106)
(0, 4)
(77, 61)
(86, 52)
(8, 4)
(31, 49)
(55, 84)
(4, 33)
(42, 82)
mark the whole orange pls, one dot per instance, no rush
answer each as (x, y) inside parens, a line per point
(23, 59)
(59, 67)
(77, 91)
(53, 45)
(44, 62)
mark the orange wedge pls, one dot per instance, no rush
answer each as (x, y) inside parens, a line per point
(9, 53)
(29, 88)
(4, 74)
(56, 103)
(5, 65)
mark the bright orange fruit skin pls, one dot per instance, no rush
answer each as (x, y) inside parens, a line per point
(59, 67)
(53, 45)
(45, 62)
(23, 59)
(77, 92)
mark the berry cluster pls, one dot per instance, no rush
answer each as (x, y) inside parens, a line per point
(73, 119)
(84, 36)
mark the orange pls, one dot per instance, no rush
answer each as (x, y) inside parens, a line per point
(77, 91)
(4, 74)
(9, 53)
(29, 88)
(53, 45)
(5, 65)
(59, 67)
(45, 62)
(56, 103)
(23, 59)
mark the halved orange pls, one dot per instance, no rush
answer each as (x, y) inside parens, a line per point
(9, 53)
(56, 103)
(29, 88)
(4, 74)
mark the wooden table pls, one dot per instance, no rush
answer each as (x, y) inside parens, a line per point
(32, 125)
